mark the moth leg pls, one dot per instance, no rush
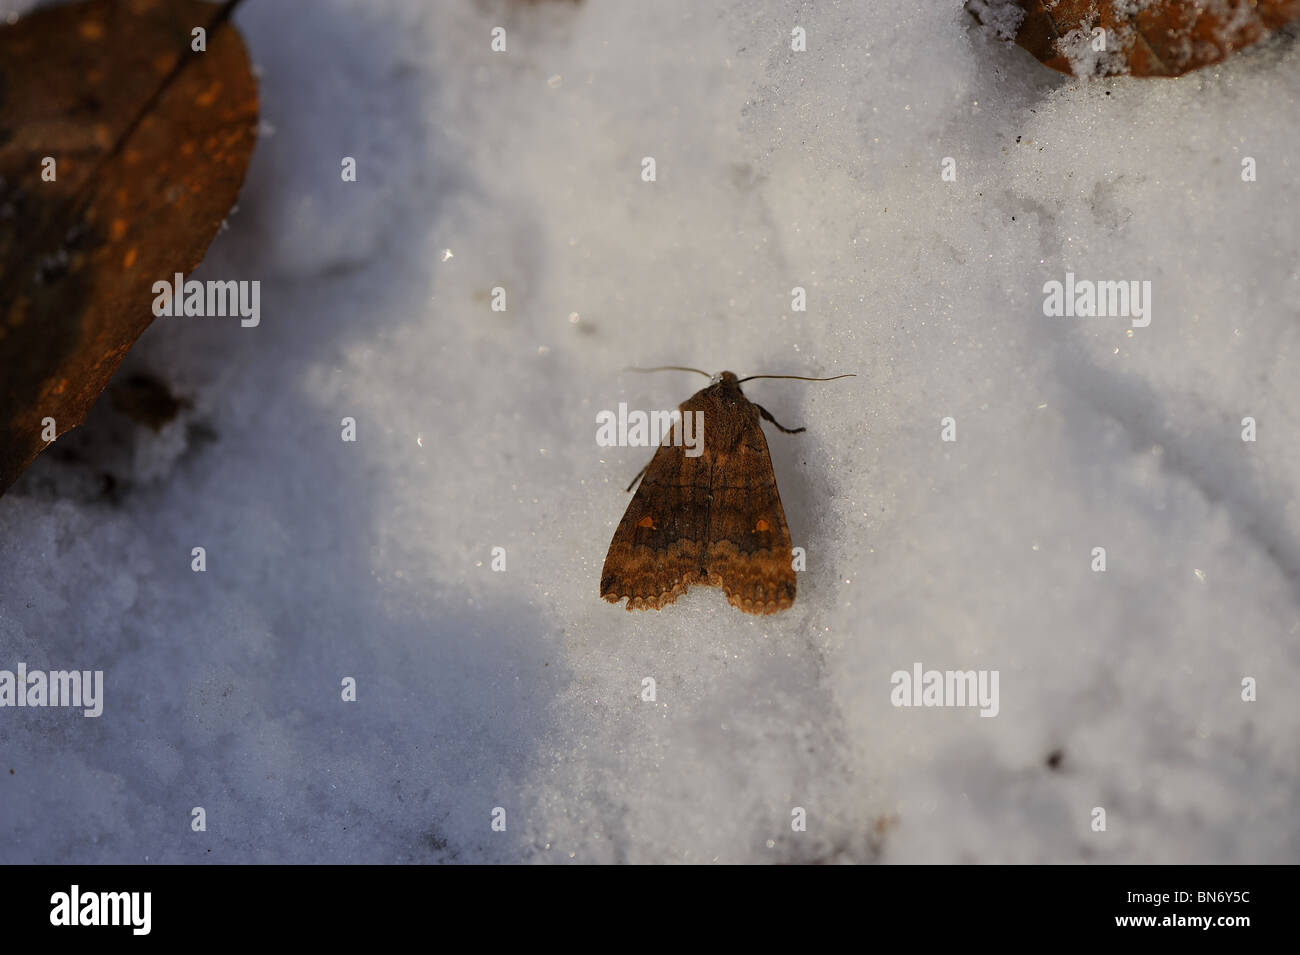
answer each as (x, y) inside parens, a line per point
(767, 415)
(643, 471)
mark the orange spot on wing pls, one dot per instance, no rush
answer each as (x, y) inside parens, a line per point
(209, 95)
(762, 525)
(647, 521)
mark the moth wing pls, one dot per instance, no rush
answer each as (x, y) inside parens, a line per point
(655, 553)
(748, 552)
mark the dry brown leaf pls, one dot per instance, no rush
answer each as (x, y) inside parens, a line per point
(151, 142)
(1140, 37)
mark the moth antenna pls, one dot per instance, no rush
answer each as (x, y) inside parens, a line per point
(795, 377)
(647, 371)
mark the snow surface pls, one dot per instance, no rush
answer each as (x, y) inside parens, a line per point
(522, 689)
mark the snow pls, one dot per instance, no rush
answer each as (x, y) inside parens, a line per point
(522, 689)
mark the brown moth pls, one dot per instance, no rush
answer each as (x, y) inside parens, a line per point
(714, 519)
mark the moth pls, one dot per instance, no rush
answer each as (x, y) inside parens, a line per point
(714, 519)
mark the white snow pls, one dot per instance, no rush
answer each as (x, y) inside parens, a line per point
(522, 689)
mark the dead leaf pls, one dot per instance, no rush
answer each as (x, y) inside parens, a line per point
(151, 141)
(1136, 37)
